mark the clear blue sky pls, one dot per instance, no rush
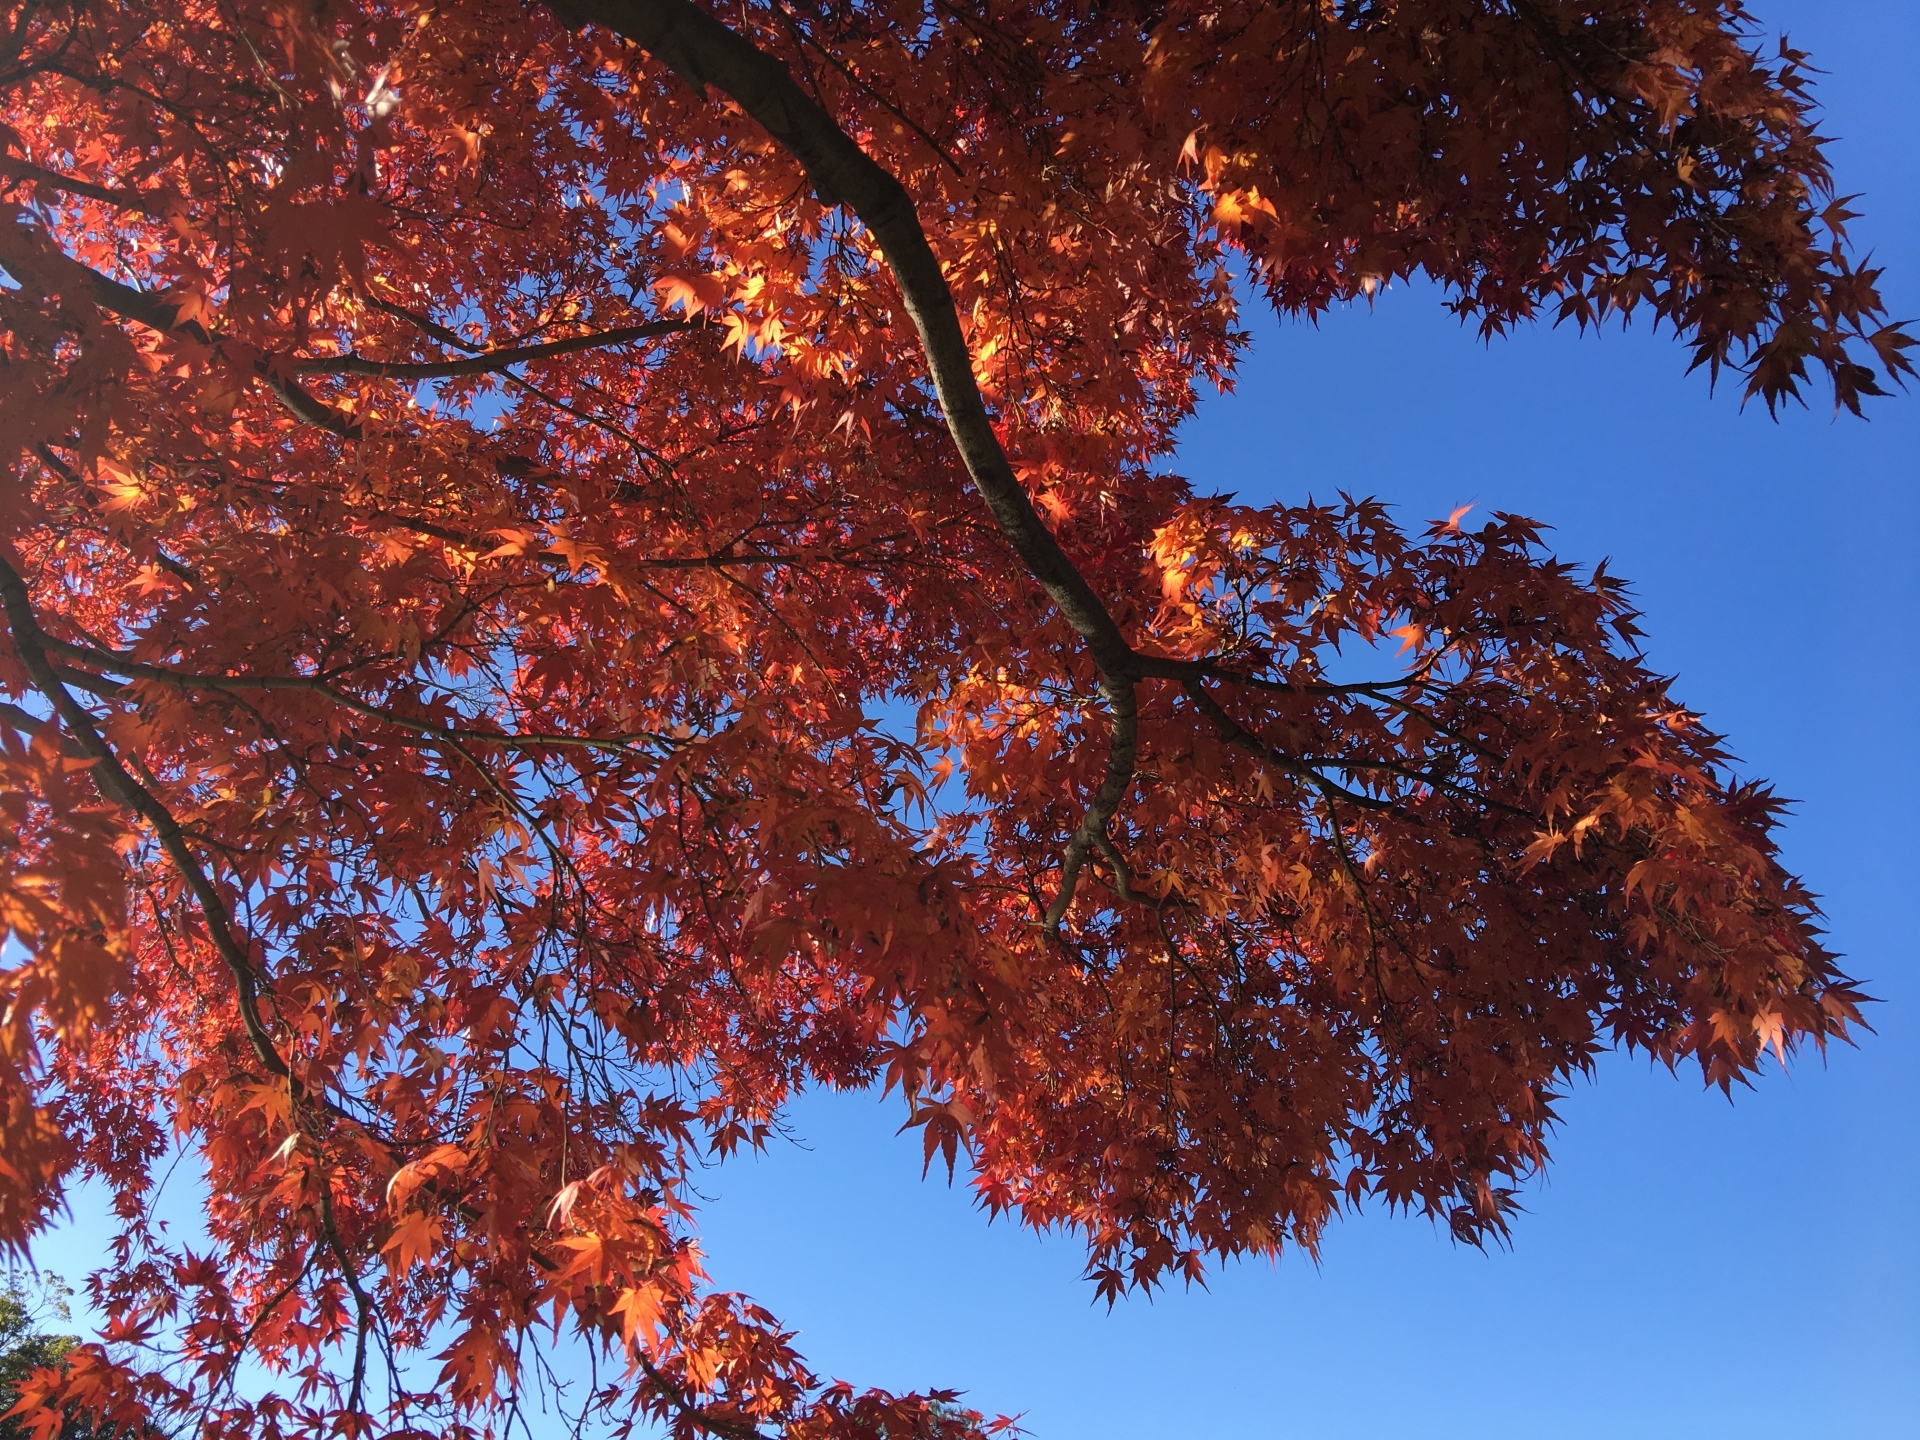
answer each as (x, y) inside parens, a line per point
(1689, 1268)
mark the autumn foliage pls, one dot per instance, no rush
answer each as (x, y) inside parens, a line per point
(570, 571)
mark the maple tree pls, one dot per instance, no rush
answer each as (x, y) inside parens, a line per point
(481, 478)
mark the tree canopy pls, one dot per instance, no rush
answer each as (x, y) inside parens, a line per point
(573, 570)
(26, 1348)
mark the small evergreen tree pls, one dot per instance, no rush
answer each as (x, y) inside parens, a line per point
(25, 1347)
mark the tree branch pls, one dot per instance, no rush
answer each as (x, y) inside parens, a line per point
(71, 185)
(27, 723)
(317, 685)
(30, 642)
(156, 312)
(682, 1403)
(488, 361)
(309, 409)
(1237, 734)
(704, 52)
(1122, 751)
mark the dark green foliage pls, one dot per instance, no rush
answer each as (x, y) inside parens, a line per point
(24, 1348)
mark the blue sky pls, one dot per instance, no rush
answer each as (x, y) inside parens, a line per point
(1689, 1267)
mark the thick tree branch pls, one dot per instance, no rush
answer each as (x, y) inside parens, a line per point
(706, 53)
(156, 312)
(19, 169)
(309, 409)
(27, 723)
